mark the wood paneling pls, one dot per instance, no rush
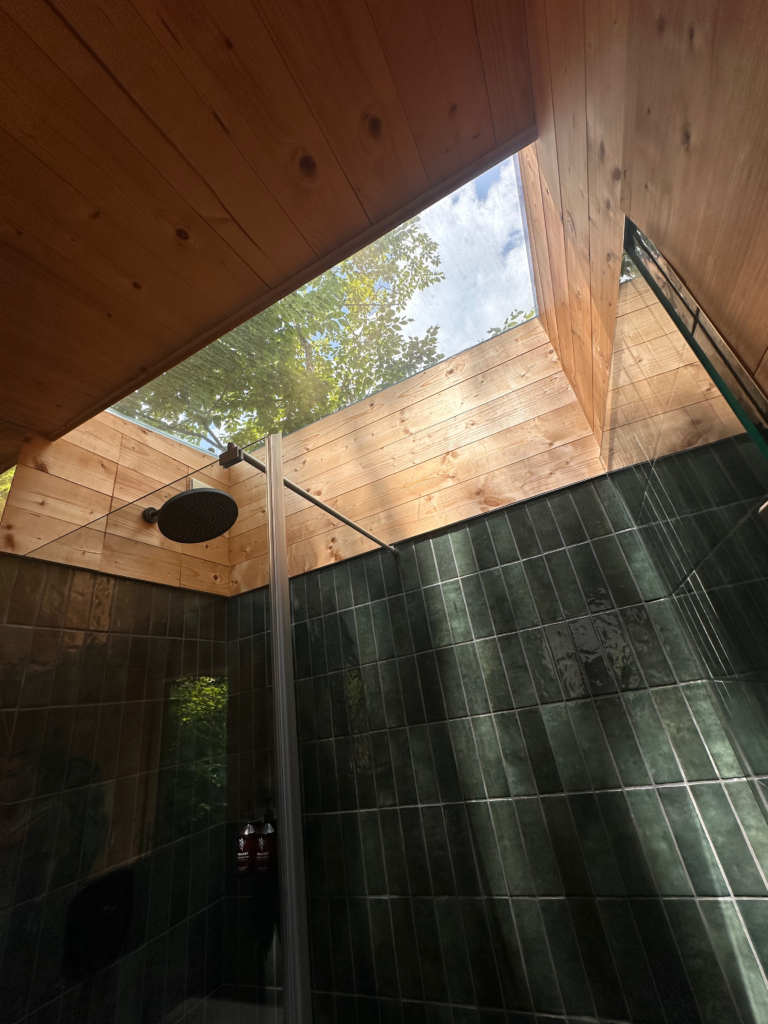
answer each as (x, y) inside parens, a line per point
(696, 157)
(172, 167)
(79, 500)
(660, 399)
(572, 183)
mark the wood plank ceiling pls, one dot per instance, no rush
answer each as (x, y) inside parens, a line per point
(171, 167)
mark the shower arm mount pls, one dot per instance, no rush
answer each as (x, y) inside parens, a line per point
(233, 455)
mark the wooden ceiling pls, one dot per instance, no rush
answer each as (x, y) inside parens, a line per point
(171, 168)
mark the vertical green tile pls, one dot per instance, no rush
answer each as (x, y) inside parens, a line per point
(629, 957)
(565, 842)
(436, 841)
(565, 583)
(503, 541)
(517, 875)
(590, 654)
(476, 606)
(498, 602)
(541, 666)
(613, 503)
(423, 764)
(618, 652)
(728, 840)
(495, 678)
(520, 598)
(400, 621)
(541, 975)
(710, 725)
(749, 799)
(437, 617)
(666, 967)
(704, 971)
(405, 782)
(429, 682)
(685, 661)
(685, 737)
(567, 518)
(443, 552)
(539, 751)
(590, 578)
(737, 960)
(540, 584)
(482, 545)
(700, 863)
(592, 743)
(570, 764)
(616, 572)
(492, 882)
(523, 532)
(445, 762)
(417, 861)
(467, 764)
(654, 743)
(462, 551)
(516, 667)
(626, 844)
(659, 845)
(456, 610)
(461, 848)
(516, 764)
(590, 510)
(455, 958)
(566, 957)
(490, 757)
(391, 695)
(450, 678)
(544, 524)
(621, 740)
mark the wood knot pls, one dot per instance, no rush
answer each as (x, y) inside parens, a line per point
(601, 150)
(182, 234)
(137, 286)
(661, 23)
(307, 165)
(616, 174)
(452, 109)
(686, 137)
(374, 126)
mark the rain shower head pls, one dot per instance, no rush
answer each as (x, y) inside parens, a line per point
(195, 516)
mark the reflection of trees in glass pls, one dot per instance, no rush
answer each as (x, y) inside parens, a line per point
(6, 479)
(197, 742)
(336, 340)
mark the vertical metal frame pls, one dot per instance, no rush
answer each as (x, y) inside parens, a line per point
(297, 994)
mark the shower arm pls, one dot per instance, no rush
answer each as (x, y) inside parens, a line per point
(233, 455)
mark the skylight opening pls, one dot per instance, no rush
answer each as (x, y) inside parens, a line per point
(454, 276)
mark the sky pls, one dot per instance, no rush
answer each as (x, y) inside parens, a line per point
(479, 230)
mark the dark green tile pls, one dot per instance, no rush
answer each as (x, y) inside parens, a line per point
(685, 737)
(736, 959)
(518, 675)
(727, 838)
(567, 518)
(598, 852)
(541, 856)
(437, 617)
(628, 955)
(567, 662)
(482, 545)
(539, 751)
(426, 559)
(566, 956)
(618, 652)
(443, 552)
(692, 841)
(667, 969)
(513, 858)
(594, 748)
(450, 678)
(641, 563)
(375, 576)
(462, 855)
(590, 578)
(503, 541)
(626, 844)
(457, 612)
(565, 583)
(476, 606)
(462, 551)
(417, 615)
(455, 958)
(408, 567)
(445, 762)
(405, 782)
(400, 622)
(685, 662)
(509, 961)
(472, 678)
(544, 524)
(467, 764)
(658, 842)
(391, 695)
(429, 682)
(590, 656)
(489, 754)
(410, 688)
(516, 764)
(358, 581)
(382, 628)
(648, 649)
(541, 666)
(570, 765)
(656, 748)
(565, 843)
(495, 677)
(498, 602)
(523, 608)
(749, 802)
(621, 740)
(374, 704)
(710, 725)
(523, 532)
(436, 841)
(417, 861)
(616, 572)
(544, 595)
(533, 943)
(423, 764)
(613, 503)
(590, 510)
(704, 971)
(598, 961)
(492, 882)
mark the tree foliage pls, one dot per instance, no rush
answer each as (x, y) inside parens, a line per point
(334, 341)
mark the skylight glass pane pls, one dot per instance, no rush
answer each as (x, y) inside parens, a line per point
(440, 283)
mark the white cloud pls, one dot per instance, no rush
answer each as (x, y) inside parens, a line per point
(482, 246)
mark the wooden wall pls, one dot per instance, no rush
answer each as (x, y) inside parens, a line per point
(73, 496)
(487, 427)
(572, 183)
(490, 426)
(696, 157)
(660, 398)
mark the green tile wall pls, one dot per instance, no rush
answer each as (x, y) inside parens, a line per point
(535, 759)
(88, 665)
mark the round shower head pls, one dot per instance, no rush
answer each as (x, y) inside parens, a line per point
(194, 516)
